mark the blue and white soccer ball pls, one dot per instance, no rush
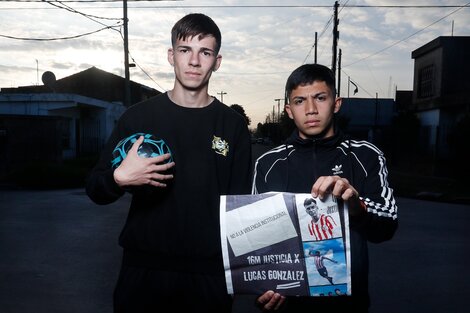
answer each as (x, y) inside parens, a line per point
(151, 147)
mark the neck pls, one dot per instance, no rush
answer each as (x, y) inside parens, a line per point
(190, 98)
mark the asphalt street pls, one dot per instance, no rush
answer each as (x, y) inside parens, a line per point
(59, 253)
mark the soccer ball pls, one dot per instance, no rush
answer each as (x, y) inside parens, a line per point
(151, 147)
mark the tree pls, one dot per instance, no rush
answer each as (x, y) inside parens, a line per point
(238, 108)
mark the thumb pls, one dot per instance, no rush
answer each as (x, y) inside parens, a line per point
(136, 145)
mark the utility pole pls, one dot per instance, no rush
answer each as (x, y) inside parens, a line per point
(278, 109)
(222, 93)
(335, 38)
(339, 72)
(127, 83)
(37, 72)
(316, 43)
(349, 82)
(376, 119)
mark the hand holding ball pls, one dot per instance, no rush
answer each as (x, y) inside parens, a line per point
(151, 147)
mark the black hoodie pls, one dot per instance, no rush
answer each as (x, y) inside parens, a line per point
(295, 166)
(177, 227)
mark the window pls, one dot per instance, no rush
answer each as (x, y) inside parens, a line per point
(426, 82)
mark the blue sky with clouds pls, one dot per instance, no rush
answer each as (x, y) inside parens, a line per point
(262, 42)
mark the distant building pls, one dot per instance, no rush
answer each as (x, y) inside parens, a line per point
(403, 100)
(441, 88)
(366, 116)
(62, 119)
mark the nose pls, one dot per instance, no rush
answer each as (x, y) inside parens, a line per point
(194, 59)
(311, 107)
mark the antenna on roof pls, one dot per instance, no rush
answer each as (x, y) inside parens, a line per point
(37, 72)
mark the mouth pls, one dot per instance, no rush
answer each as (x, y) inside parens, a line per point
(312, 123)
(192, 74)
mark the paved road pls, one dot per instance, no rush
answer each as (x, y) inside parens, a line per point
(59, 253)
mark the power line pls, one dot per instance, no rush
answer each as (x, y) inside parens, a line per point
(59, 38)
(237, 6)
(61, 5)
(408, 37)
(70, 9)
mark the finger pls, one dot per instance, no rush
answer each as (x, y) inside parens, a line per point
(349, 193)
(265, 297)
(160, 159)
(281, 301)
(157, 184)
(339, 187)
(325, 187)
(136, 145)
(161, 177)
(316, 186)
(273, 302)
(160, 168)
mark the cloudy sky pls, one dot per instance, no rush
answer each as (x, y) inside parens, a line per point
(262, 42)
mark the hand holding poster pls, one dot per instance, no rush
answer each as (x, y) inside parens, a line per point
(290, 243)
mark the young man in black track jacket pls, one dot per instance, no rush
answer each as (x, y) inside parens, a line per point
(319, 159)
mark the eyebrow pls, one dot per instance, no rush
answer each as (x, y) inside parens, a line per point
(314, 96)
(191, 48)
(320, 94)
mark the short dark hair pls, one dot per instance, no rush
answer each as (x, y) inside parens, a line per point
(307, 74)
(313, 252)
(196, 24)
(309, 201)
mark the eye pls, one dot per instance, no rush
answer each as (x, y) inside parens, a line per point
(183, 50)
(298, 100)
(321, 97)
(207, 53)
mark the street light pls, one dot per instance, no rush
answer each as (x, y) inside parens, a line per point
(222, 93)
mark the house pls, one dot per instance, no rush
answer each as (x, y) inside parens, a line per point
(92, 83)
(62, 119)
(366, 117)
(441, 89)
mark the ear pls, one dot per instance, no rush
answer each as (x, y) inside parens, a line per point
(338, 103)
(289, 112)
(218, 61)
(171, 59)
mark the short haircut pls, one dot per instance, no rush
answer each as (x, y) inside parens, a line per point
(307, 74)
(309, 201)
(313, 252)
(196, 24)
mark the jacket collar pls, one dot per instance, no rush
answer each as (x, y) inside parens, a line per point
(318, 142)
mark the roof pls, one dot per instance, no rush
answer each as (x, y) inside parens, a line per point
(442, 41)
(92, 82)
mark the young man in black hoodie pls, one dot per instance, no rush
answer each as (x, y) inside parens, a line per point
(319, 159)
(172, 257)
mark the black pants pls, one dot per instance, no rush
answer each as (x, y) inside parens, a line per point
(142, 290)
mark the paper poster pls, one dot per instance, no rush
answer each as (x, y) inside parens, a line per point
(290, 243)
